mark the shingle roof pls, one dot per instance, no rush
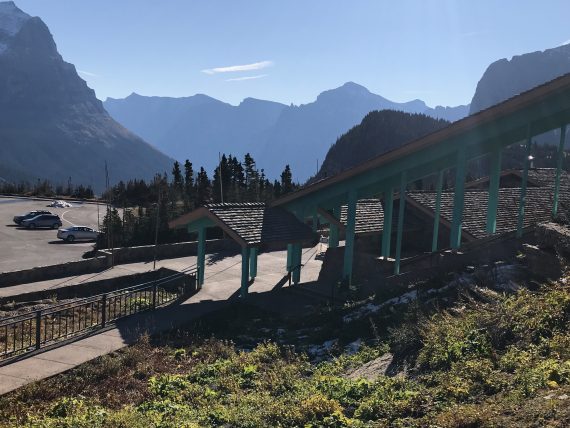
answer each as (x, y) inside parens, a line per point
(538, 207)
(369, 216)
(256, 223)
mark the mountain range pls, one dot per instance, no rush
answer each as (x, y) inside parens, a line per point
(198, 127)
(51, 123)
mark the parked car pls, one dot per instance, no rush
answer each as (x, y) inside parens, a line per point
(19, 218)
(77, 232)
(42, 220)
(60, 204)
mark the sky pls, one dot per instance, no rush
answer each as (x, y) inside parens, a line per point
(290, 51)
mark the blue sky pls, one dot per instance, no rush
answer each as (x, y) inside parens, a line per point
(435, 50)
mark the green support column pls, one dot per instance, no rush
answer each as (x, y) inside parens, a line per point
(558, 169)
(244, 272)
(438, 187)
(315, 221)
(289, 257)
(349, 240)
(494, 182)
(253, 262)
(402, 207)
(297, 258)
(522, 198)
(387, 227)
(201, 253)
(458, 197)
(333, 234)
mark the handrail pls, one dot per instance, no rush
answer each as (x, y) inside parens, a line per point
(25, 333)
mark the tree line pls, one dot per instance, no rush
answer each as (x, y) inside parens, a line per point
(147, 206)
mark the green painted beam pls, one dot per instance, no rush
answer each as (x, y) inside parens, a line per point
(333, 231)
(458, 197)
(289, 257)
(253, 252)
(522, 197)
(297, 259)
(244, 272)
(494, 183)
(201, 223)
(349, 240)
(387, 227)
(400, 231)
(559, 169)
(436, 217)
(201, 256)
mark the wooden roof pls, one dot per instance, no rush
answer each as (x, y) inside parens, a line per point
(250, 224)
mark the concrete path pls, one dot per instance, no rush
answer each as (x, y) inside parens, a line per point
(222, 283)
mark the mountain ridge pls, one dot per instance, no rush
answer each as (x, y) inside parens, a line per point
(274, 133)
(52, 126)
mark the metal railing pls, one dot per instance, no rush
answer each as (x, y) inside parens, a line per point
(32, 331)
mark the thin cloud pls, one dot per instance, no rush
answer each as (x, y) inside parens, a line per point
(87, 73)
(233, 68)
(567, 42)
(239, 79)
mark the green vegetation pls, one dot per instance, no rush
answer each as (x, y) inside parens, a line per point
(503, 362)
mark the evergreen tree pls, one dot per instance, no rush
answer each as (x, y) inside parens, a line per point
(203, 188)
(189, 184)
(177, 180)
(286, 180)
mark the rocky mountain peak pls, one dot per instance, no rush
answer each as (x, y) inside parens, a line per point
(12, 20)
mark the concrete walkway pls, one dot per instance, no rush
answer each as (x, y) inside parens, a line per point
(222, 283)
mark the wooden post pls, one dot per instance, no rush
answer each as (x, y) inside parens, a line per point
(387, 227)
(349, 240)
(253, 262)
(494, 183)
(289, 257)
(201, 262)
(402, 207)
(297, 258)
(438, 186)
(333, 228)
(522, 198)
(558, 169)
(244, 272)
(458, 197)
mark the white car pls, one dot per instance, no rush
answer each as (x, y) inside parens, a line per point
(77, 233)
(60, 204)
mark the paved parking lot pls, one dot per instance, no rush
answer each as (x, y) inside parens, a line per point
(23, 249)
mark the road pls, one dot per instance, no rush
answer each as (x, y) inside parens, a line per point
(23, 249)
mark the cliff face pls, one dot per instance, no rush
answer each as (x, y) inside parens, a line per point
(51, 124)
(505, 78)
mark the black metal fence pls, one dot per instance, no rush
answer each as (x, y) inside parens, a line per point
(29, 332)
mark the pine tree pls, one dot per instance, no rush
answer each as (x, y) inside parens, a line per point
(189, 194)
(203, 188)
(286, 180)
(177, 180)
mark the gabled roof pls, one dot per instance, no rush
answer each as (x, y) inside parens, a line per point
(250, 224)
(369, 217)
(537, 177)
(538, 207)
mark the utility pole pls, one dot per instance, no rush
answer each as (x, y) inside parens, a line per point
(156, 230)
(220, 176)
(109, 217)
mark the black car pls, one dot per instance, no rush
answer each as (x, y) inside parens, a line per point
(43, 220)
(19, 218)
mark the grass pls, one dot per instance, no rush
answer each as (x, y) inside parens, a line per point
(502, 362)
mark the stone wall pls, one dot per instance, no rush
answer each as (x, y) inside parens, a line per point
(43, 273)
(167, 251)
